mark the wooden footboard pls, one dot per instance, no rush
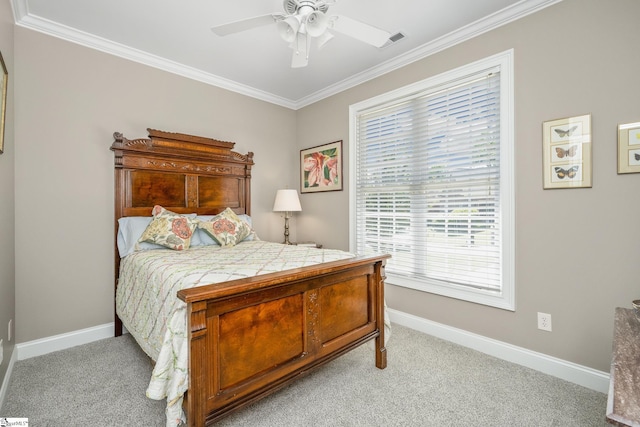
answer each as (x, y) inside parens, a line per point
(251, 337)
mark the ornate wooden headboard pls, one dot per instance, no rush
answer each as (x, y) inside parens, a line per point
(182, 173)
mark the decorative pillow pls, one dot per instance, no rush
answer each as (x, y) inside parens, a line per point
(130, 229)
(202, 238)
(169, 229)
(252, 234)
(226, 228)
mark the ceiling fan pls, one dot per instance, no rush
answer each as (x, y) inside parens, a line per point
(303, 20)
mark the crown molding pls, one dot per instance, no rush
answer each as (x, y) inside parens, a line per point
(24, 19)
(491, 22)
(519, 10)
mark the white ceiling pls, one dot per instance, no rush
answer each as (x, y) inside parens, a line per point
(176, 36)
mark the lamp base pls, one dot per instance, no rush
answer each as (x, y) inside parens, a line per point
(286, 229)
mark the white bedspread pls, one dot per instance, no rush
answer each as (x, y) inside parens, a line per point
(147, 304)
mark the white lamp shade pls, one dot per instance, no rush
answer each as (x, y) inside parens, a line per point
(287, 201)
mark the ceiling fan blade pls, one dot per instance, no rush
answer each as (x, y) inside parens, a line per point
(324, 39)
(299, 60)
(300, 46)
(246, 24)
(359, 30)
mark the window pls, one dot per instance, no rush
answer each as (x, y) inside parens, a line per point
(432, 182)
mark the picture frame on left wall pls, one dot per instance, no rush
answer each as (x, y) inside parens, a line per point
(3, 103)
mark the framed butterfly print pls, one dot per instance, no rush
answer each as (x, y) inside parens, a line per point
(629, 148)
(566, 151)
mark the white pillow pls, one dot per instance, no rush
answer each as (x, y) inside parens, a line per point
(130, 229)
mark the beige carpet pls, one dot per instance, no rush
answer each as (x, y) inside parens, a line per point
(428, 382)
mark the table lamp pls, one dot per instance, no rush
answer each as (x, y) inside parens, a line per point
(287, 201)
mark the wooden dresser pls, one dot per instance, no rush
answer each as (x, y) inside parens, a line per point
(623, 404)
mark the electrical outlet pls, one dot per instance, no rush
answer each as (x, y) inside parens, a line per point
(544, 321)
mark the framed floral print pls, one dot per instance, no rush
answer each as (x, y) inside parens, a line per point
(321, 168)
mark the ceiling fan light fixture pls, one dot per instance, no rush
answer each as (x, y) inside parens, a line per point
(288, 28)
(317, 23)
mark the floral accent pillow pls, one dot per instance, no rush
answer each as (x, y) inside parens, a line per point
(169, 229)
(226, 228)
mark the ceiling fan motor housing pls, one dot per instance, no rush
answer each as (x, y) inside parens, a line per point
(293, 6)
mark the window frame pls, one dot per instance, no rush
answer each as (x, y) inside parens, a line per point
(505, 299)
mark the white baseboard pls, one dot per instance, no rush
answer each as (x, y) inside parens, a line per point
(63, 341)
(577, 374)
(7, 377)
(50, 344)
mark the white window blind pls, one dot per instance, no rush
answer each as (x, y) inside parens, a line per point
(428, 184)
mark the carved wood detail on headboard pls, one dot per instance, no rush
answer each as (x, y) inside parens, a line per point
(148, 170)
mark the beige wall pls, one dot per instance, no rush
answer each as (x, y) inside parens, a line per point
(7, 199)
(577, 250)
(69, 101)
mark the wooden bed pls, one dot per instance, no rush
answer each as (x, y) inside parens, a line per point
(328, 309)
